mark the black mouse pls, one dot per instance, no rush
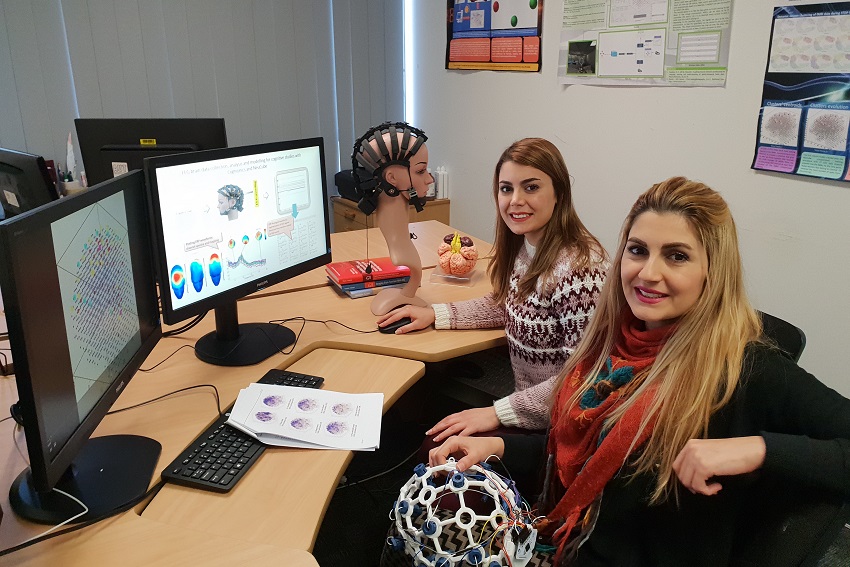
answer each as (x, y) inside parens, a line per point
(391, 328)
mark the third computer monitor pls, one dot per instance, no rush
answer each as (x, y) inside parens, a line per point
(113, 146)
(230, 222)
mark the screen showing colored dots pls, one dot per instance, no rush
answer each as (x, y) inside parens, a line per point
(99, 303)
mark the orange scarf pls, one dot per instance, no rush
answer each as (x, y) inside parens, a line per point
(587, 456)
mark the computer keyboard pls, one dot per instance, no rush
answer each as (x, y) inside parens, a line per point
(221, 455)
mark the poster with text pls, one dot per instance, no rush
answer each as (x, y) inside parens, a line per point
(805, 112)
(497, 35)
(681, 43)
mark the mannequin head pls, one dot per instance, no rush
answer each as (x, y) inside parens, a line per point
(230, 199)
(390, 164)
(392, 159)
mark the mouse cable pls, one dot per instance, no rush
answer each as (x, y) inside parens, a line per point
(380, 474)
(152, 491)
(158, 398)
(185, 327)
(324, 322)
(166, 358)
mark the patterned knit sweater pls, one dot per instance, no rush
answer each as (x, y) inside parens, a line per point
(542, 330)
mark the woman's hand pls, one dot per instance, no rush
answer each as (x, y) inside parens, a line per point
(474, 450)
(421, 318)
(466, 422)
(702, 459)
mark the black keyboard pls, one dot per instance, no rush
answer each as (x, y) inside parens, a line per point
(221, 455)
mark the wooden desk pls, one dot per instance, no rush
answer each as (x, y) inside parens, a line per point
(279, 503)
(290, 487)
(352, 244)
(283, 497)
(132, 541)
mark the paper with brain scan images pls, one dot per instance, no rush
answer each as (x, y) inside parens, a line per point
(288, 416)
(805, 111)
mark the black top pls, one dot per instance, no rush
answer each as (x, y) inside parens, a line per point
(806, 428)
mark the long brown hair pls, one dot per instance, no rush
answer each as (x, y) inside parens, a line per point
(697, 370)
(564, 229)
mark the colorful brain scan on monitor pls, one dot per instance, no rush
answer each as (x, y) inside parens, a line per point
(231, 222)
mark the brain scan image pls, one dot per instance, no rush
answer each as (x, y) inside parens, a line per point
(780, 125)
(826, 129)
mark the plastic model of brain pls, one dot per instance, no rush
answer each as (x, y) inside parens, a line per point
(434, 536)
(458, 254)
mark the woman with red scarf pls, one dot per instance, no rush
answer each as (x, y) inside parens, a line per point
(676, 427)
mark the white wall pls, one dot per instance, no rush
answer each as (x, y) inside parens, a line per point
(794, 231)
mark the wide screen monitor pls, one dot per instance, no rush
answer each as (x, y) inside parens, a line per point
(231, 222)
(80, 296)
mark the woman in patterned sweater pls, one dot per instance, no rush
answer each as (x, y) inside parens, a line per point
(547, 271)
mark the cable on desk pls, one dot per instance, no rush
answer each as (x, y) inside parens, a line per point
(166, 358)
(325, 322)
(158, 398)
(5, 367)
(149, 494)
(185, 327)
(380, 474)
(68, 521)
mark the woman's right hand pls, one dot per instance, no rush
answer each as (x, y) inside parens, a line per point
(420, 318)
(474, 449)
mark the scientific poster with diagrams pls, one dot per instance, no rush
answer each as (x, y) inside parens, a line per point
(645, 42)
(805, 112)
(497, 35)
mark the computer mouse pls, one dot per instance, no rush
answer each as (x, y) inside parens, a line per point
(391, 328)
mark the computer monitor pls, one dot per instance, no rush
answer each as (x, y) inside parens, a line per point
(24, 182)
(112, 146)
(231, 222)
(80, 296)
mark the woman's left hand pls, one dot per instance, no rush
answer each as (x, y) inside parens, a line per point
(702, 459)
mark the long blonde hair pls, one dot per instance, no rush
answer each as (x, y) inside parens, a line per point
(698, 368)
(563, 230)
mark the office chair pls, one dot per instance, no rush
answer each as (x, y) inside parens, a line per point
(790, 339)
(806, 528)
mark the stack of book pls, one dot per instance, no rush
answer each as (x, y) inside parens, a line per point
(352, 278)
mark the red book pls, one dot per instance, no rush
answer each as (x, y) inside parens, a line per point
(354, 271)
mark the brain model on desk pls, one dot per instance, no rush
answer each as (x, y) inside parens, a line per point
(458, 254)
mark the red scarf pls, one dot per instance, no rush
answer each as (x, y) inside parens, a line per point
(583, 463)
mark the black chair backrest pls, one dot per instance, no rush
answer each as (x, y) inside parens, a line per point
(790, 339)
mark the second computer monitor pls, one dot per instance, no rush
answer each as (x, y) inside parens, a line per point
(113, 146)
(233, 221)
(24, 182)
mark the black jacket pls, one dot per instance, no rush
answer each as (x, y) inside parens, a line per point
(764, 518)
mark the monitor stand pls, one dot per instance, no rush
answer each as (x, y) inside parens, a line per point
(232, 344)
(109, 472)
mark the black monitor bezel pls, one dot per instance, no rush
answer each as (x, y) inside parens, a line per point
(36, 176)
(172, 135)
(173, 316)
(46, 472)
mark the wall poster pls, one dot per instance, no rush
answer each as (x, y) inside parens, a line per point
(645, 42)
(497, 35)
(805, 111)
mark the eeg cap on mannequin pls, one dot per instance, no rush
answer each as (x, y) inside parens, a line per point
(369, 163)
